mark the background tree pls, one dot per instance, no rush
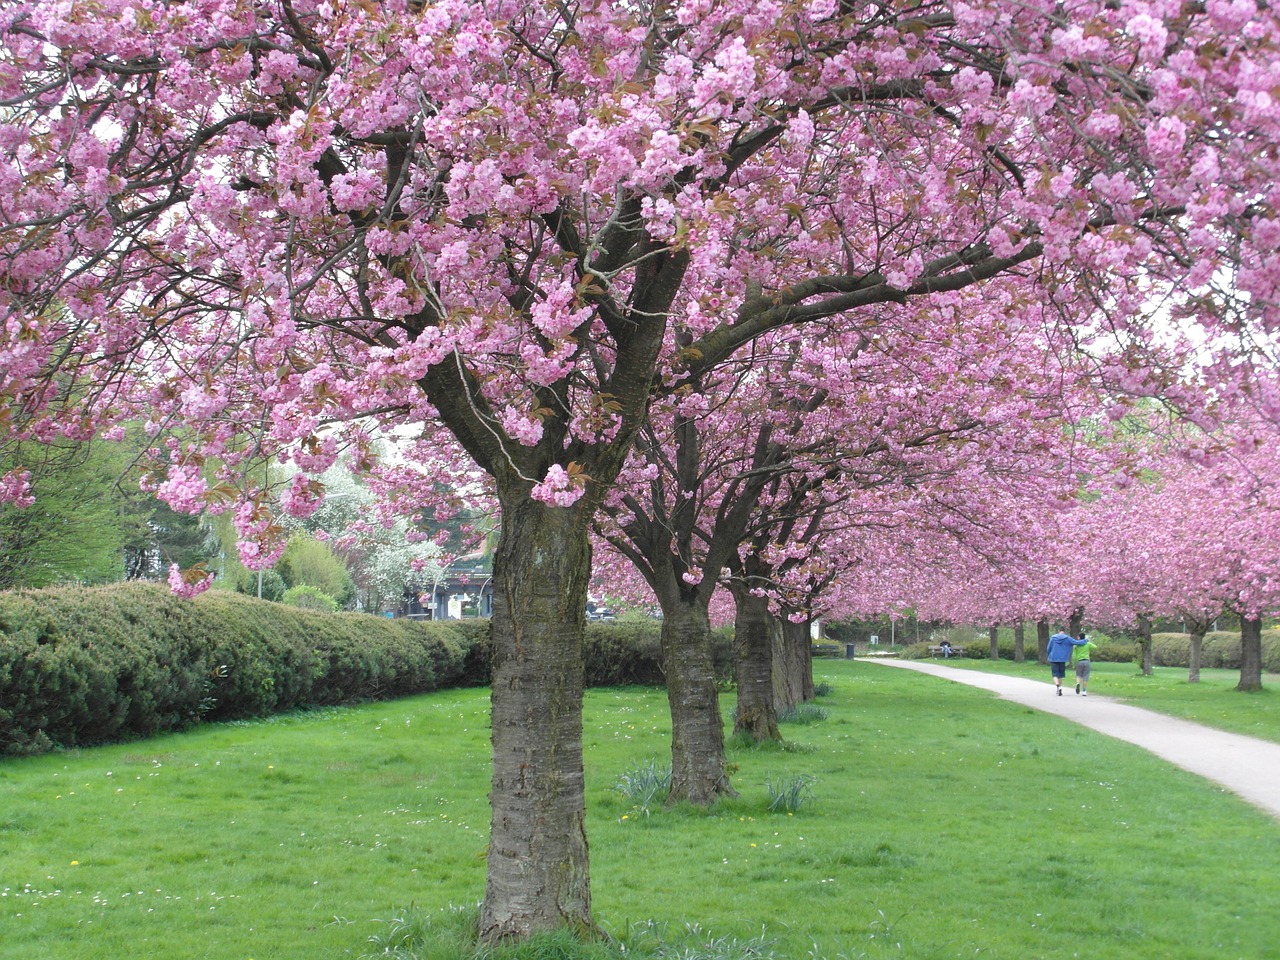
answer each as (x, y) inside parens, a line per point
(76, 531)
(309, 562)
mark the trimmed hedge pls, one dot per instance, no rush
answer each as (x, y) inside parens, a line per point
(92, 665)
(1110, 651)
(614, 654)
(1220, 649)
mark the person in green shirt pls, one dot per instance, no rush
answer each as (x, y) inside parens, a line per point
(1082, 657)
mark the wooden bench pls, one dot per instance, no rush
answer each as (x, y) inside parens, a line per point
(937, 651)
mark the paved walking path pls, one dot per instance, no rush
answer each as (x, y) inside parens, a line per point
(1244, 765)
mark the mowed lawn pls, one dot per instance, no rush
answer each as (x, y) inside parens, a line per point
(943, 823)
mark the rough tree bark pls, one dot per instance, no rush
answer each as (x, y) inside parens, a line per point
(753, 665)
(1195, 654)
(1042, 641)
(1250, 654)
(537, 862)
(1197, 627)
(698, 772)
(993, 635)
(1020, 641)
(792, 665)
(1144, 641)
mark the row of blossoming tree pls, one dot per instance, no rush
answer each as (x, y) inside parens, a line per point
(1189, 535)
(798, 252)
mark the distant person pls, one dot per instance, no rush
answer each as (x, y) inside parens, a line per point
(1081, 656)
(946, 649)
(1059, 652)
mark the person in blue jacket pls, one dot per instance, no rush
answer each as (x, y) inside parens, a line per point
(1058, 653)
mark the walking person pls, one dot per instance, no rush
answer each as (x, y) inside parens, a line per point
(1058, 653)
(1082, 657)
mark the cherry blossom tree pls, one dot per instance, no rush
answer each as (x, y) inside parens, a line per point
(1195, 538)
(747, 466)
(293, 227)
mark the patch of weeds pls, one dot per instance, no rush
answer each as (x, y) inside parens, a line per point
(451, 934)
(804, 715)
(823, 689)
(654, 940)
(744, 741)
(559, 945)
(884, 935)
(790, 794)
(415, 934)
(645, 784)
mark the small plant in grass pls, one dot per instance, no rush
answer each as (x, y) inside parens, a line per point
(742, 740)
(654, 940)
(788, 795)
(804, 714)
(415, 934)
(823, 689)
(645, 784)
(418, 934)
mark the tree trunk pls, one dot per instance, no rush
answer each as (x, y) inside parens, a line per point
(753, 666)
(537, 869)
(698, 772)
(1250, 654)
(993, 634)
(1042, 641)
(792, 665)
(1196, 652)
(1076, 623)
(1144, 641)
(1020, 641)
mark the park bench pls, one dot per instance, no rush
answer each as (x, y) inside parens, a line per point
(936, 651)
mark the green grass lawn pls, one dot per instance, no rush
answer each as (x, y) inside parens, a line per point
(1214, 701)
(944, 823)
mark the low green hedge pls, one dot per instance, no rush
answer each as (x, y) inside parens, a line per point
(92, 665)
(82, 666)
(1219, 649)
(614, 654)
(1109, 651)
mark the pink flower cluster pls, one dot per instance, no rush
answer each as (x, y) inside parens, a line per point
(189, 583)
(15, 488)
(558, 488)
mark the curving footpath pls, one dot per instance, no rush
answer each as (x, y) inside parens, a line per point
(1244, 765)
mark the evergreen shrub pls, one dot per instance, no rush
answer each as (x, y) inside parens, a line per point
(89, 665)
(616, 654)
(81, 666)
(1109, 650)
(306, 597)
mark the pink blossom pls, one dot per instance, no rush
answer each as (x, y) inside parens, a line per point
(15, 488)
(558, 488)
(524, 429)
(1150, 34)
(303, 496)
(188, 583)
(184, 488)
